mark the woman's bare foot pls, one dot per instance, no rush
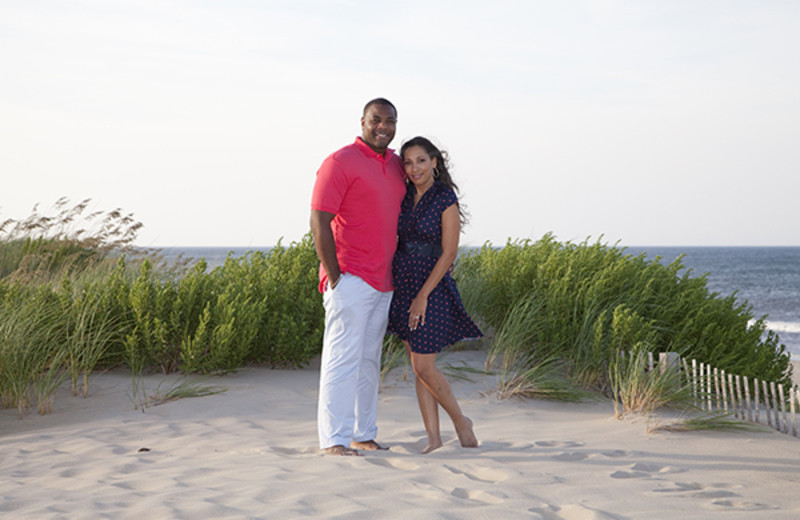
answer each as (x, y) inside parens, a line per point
(342, 451)
(465, 434)
(432, 446)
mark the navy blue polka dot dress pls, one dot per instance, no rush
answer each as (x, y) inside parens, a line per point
(446, 320)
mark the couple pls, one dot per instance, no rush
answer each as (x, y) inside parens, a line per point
(386, 229)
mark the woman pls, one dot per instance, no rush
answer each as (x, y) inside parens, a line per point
(426, 312)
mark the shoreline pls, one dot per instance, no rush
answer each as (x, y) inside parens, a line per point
(251, 452)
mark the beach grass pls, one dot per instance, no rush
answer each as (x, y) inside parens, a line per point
(641, 389)
(586, 303)
(712, 421)
(564, 318)
(182, 390)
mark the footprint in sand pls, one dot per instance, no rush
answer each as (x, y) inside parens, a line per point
(617, 454)
(294, 452)
(559, 444)
(394, 463)
(480, 496)
(680, 487)
(645, 470)
(697, 490)
(571, 456)
(479, 473)
(629, 474)
(575, 512)
(720, 494)
(741, 505)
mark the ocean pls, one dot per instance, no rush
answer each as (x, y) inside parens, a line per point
(767, 278)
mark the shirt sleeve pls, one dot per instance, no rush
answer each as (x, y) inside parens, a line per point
(330, 187)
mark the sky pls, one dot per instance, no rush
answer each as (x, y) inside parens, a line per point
(632, 122)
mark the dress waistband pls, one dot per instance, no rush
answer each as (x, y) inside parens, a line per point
(420, 248)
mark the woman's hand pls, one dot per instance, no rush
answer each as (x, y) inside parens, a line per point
(416, 312)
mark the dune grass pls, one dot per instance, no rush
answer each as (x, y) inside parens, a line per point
(638, 389)
(710, 421)
(75, 295)
(183, 389)
(585, 303)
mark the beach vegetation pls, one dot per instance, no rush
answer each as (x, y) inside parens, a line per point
(183, 389)
(560, 319)
(580, 306)
(394, 355)
(76, 296)
(640, 387)
(708, 421)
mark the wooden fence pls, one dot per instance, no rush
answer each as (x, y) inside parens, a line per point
(715, 390)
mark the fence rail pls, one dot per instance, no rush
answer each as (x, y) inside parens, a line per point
(718, 391)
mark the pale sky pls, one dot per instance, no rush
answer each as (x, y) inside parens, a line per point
(644, 122)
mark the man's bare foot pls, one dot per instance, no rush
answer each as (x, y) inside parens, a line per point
(465, 434)
(432, 446)
(341, 450)
(367, 446)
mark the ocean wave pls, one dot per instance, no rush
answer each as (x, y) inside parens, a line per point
(784, 326)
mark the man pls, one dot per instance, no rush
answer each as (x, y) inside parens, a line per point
(354, 210)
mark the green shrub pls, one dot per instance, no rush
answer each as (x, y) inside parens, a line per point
(294, 318)
(585, 303)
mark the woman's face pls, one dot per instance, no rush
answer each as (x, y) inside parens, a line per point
(419, 167)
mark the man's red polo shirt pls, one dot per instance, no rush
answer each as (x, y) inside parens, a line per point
(364, 190)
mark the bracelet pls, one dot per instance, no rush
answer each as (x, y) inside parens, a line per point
(334, 284)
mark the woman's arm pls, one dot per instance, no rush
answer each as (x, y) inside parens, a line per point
(451, 230)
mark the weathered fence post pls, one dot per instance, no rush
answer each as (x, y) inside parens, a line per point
(667, 360)
(732, 390)
(755, 398)
(724, 391)
(709, 388)
(739, 396)
(747, 399)
(783, 408)
(795, 399)
(774, 393)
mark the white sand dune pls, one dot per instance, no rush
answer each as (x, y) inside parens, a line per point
(251, 453)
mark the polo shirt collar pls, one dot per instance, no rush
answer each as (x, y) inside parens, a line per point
(369, 152)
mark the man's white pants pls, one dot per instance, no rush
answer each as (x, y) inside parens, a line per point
(356, 316)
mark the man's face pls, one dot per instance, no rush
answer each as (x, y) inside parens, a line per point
(378, 126)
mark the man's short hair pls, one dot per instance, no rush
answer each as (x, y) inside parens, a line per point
(380, 101)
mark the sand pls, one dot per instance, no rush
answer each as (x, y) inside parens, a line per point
(251, 452)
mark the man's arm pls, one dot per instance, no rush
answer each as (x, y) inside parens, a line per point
(324, 244)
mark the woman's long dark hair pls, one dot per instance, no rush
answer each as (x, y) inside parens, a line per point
(442, 170)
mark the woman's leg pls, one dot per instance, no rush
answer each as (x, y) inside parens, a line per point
(429, 409)
(437, 384)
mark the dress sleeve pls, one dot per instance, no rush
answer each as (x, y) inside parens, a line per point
(448, 198)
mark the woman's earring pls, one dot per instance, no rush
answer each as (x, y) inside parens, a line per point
(435, 173)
